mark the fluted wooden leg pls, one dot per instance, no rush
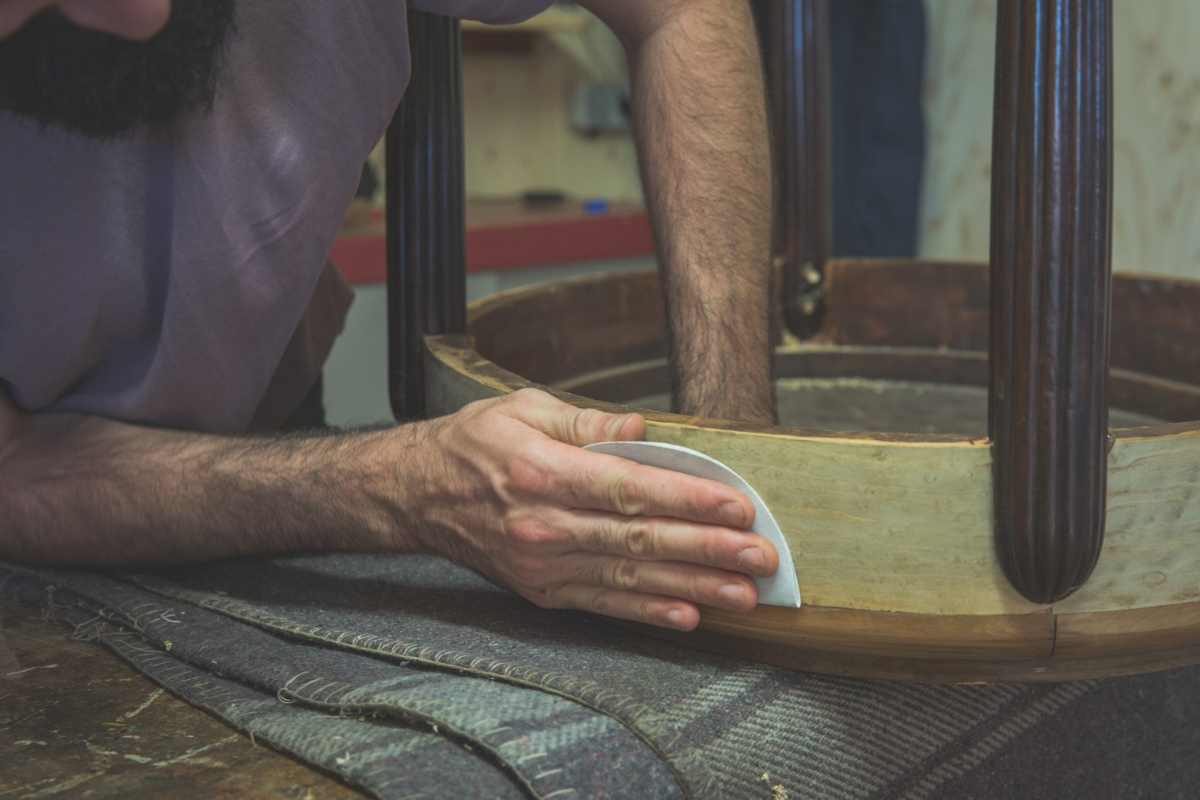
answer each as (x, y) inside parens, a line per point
(425, 216)
(1050, 261)
(800, 113)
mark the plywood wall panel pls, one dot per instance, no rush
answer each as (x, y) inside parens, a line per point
(517, 136)
(955, 188)
(1156, 122)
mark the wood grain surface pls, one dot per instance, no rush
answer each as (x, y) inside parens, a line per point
(905, 523)
(75, 721)
(1156, 125)
(1050, 276)
(891, 533)
(515, 113)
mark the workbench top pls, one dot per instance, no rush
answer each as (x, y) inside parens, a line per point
(75, 720)
(509, 234)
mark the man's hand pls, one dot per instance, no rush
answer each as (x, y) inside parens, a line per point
(501, 486)
(511, 494)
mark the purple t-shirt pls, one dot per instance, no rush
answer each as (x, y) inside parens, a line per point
(159, 278)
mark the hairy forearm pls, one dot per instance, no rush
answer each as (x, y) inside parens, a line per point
(90, 491)
(502, 486)
(699, 108)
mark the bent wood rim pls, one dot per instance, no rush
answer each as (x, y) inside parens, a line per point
(1140, 616)
(509, 311)
(1131, 391)
(1035, 648)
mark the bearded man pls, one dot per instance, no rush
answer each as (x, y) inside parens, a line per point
(172, 175)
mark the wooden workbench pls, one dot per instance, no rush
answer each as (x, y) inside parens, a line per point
(76, 721)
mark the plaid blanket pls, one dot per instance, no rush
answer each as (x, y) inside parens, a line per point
(412, 677)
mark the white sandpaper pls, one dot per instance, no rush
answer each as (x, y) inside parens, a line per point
(782, 588)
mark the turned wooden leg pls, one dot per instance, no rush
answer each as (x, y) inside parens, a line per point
(798, 44)
(1050, 278)
(425, 226)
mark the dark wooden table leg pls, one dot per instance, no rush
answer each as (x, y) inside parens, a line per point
(798, 52)
(1050, 259)
(425, 226)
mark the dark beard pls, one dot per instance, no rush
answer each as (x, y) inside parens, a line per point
(100, 85)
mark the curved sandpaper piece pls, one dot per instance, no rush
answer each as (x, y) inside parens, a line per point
(782, 588)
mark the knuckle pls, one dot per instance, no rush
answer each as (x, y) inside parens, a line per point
(583, 423)
(601, 603)
(531, 533)
(645, 612)
(641, 538)
(533, 399)
(625, 574)
(525, 395)
(627, 496)
(710, 549)
(526, 477)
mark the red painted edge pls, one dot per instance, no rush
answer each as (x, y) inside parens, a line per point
(362, 258)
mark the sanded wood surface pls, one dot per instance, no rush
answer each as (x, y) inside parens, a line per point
(904, 523)
(956, 382)
(891, 530)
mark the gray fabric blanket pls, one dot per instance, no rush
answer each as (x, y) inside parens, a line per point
(412, 677)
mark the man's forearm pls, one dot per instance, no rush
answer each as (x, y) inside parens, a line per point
(502, 486)
(699, 108)
(91, 491)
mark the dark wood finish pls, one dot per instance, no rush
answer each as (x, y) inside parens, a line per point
(798, 42)
(892, 635)
(1134, 654)
(553, 332)
(425, 217)
(1050, 257)
(907, 303)
(1027, 648)
(1155, 319)
(605, 337)
(1156, 327)
(1134, 392)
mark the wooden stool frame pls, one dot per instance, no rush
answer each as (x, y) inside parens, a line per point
(1047, 368)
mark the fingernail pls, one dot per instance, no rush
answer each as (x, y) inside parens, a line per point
(752, 559)
(733, 514)
(732, 595)
(675, 617)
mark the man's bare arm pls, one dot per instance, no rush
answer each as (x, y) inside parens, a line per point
(700, 116)
(502, 486)
(84, 490)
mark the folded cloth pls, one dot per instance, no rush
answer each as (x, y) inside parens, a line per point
(421, 640)
(548, 746)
